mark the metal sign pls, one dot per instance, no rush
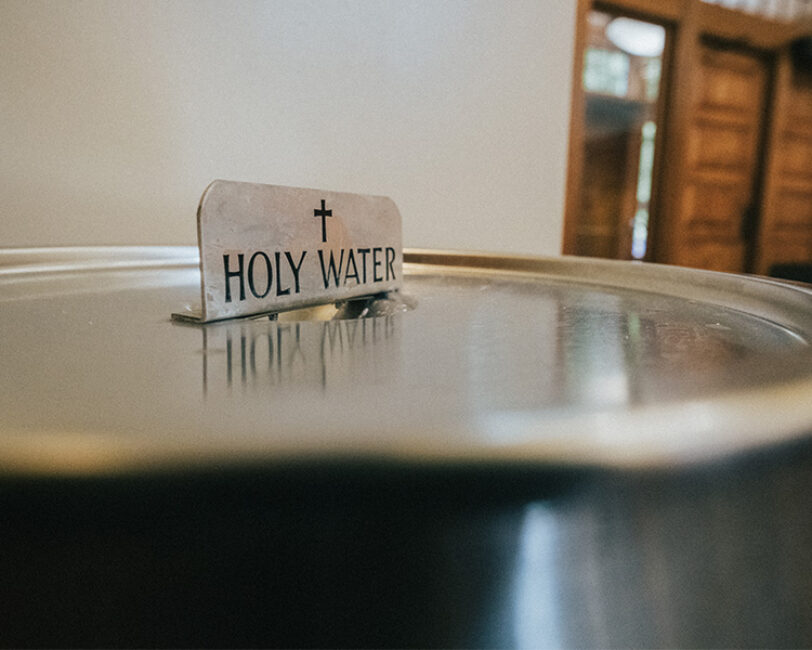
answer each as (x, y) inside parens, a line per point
(267, 248)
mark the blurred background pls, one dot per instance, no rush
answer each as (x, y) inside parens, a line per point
(675, 131)
(691, 134)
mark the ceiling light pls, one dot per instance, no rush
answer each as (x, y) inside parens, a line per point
(636, 37)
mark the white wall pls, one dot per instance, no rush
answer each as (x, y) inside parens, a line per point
(114, 116)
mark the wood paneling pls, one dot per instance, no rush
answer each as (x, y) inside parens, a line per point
(720, 159)
(713, 255)
(718, 145)
(796, 156)
(785, 233)
(794, 213)
(712, 208)
(726, 83)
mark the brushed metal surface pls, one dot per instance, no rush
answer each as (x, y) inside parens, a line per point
(502, 359)
(266, 248)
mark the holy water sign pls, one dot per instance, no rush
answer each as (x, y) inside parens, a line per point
(267, 248)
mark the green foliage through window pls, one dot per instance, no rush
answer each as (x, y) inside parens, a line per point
(606, 71)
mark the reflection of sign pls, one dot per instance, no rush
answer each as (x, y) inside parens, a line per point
(266, 353)
(265, 248)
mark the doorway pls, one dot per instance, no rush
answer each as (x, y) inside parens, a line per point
(621, 81)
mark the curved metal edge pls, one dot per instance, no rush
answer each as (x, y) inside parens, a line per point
(775, 301)
(25, 261)
(736, 413)
(718, 429)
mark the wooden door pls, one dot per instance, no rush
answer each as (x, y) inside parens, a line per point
(786, 219)
(715, 210)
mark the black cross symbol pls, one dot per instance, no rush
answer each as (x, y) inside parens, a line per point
(323, 213)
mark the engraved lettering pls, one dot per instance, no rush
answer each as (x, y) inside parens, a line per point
(375, 264)
(279, 290)
(354, 274)
(295, 268)
(268, 274)
(390, 259)
(330, 269)
(363, 253)
(230, 274)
